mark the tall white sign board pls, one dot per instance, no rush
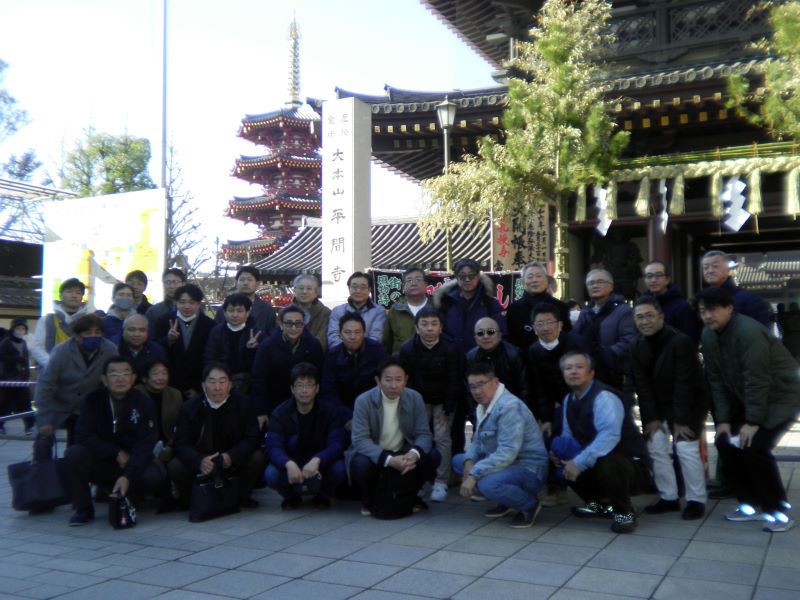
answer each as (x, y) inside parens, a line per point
(346, 151)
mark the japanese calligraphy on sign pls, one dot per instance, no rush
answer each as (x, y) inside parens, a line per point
(521, 239)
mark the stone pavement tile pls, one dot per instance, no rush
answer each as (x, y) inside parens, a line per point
(636, 562)
(45, 549)
(326, 546)
(614, 582)
(269, 540)
(225, 557)
(317, 523)
(599, 537)
(72, 580)
(458, 562)
(84, 554)
(789, 540)
(725, 552)
(768, 593)
(24, 558)
(301, 589)
(129, 560)
(383, 595)
(568, 594)
(207, 537)
(345, 572)
(492, 546)
(372, 530)
(647, 526)
(173, 574)
(44, 591)
(782, 557)
(121, 547)
(421, 537)
(239, 584)
(116, 589)
(160, 553)
(678, 588)
(9, 585)
(499, 528)
(85, 543)
(455, 523)
(114, 572)
(426, 583)
(557, 553)
(781, 577)
(733, 535)
(529, 571)
(390, 554)
(635, 544)
(716, 570)
(288, 565)
(187, 595)
(19, 571)
(73, 566)
(507, 590)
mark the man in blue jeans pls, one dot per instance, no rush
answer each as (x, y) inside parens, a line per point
(507, 460)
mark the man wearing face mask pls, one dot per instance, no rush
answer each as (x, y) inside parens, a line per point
(122, 306)
(73, 372)
(520, 328)
(15, 366)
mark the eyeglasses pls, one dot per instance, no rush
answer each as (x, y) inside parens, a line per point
(359, 288)
(478, 385)
(467, 276)
(654, 275)
(646, 317)
(293, 324)
(544, 324)
(304, 386)
(415, 279)
(594, 282)
(483, 332)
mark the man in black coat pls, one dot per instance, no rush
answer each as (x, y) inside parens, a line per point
(507, 360)
(184, 333)
(678, 313)
(221, 422)
(519, 314)
(669, 383)
(115, 436)
(135, 346)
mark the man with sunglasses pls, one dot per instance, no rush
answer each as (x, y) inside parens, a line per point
(506, 359)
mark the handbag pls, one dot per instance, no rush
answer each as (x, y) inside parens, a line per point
(395, 494)
(121, 512)
(213, 495)
(41, 484)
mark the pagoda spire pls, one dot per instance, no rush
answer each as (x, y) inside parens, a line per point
(294, 65)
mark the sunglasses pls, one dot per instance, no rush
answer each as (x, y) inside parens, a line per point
(483, 332)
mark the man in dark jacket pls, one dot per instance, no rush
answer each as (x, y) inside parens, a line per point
(262, 313)
(669, 384)
(400, 323)
(606, 331)
(678, 313)
(755, 388)
(508, 363)
(184, 334)
(288, 346)
(222, 423)
(15, 366)
(305, 444)
(519, 314)
(135, 346)
(716, 273)
(137, 281)
(611, 462)
(235, 341)
(350, 368)
(171, 279)
(435, 371)
(115, 437)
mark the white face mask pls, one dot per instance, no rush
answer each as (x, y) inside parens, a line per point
(573, 316)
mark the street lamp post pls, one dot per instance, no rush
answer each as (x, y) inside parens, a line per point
(446, 114)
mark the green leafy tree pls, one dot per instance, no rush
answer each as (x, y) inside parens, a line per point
(558, 131)
(780, 105)
(108, 164)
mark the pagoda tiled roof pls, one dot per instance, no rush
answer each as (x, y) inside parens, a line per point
(302, 113)
(257, 203)
(260, 247)
(281, 159)
(395, 245)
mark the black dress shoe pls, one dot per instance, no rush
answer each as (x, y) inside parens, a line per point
(291, 503)
(663, 506)
(694, 510)
(249, 502)
(320, 501)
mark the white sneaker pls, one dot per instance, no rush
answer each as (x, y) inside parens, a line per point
(439, 492)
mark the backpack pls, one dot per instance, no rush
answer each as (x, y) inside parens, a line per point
(395, 494)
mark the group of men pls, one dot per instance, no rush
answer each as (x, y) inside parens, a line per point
(323, 402)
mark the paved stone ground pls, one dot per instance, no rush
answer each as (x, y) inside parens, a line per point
(450, 551)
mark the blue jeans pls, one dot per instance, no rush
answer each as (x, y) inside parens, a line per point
(514, 487)
(277, 479)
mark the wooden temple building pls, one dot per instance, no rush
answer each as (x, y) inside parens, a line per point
(671, 62)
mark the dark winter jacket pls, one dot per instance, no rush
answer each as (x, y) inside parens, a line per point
(459, 315)
(185, 363)
(346, 376)
(749, 304)
(282, 443)
(546, 385)
(669, 380)
(436, 373)
(202, 430)
(149, 353)
(753, 378)
(270, 384)
(520, 324)
(262, 317)
(509, 367)
(105, 427)
(230, 347)
(400, 326)
(678, 313)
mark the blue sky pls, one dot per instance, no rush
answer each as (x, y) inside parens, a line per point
(98, 63)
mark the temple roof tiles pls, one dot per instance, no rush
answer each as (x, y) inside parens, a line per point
(278, 200)
(278, 160)
(297, 113)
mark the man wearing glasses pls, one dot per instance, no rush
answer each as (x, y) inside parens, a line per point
(400, 318)
(605, 329)
(374, 315)
(288, 346)
(537, 291)
(678, 313)
(506, 359)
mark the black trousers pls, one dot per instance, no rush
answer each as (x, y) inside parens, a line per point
(364, 473)
(613, 478)
(85, 468)
(249, 473)
(752, 472)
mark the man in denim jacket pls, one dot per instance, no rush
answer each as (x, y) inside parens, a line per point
(507, 460)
